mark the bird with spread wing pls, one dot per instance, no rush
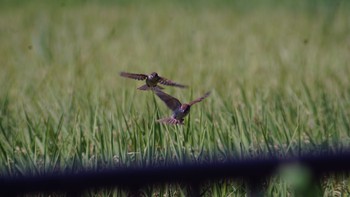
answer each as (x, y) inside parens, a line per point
(152, 81)
(179, 110)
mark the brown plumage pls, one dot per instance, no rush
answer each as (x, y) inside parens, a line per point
(179, 110)
(152, 81)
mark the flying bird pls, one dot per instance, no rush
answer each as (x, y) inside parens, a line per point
(179, 110)
(152, 80)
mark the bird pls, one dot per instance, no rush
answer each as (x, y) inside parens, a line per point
(152, 80)
(179, 110)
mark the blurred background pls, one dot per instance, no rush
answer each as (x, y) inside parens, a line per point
(278, 71)
(48, 50)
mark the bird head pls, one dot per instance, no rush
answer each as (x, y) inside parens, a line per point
(185, 108)
(153, 75)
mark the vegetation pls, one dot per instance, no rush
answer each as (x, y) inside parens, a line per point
(278, 72)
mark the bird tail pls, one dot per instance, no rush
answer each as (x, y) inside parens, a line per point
(146, 87)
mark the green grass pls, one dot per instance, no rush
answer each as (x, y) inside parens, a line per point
(279, 76)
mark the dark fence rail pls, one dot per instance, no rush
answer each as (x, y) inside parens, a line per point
(252, 171)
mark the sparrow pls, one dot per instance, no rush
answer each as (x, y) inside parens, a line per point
(179, 110)
(151, 80)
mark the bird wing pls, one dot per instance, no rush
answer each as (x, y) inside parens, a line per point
(170, 101)
(133, 76)
(170, 121)
(199, 99)
(168, 82)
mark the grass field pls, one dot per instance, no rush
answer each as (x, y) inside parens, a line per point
(278, 72)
